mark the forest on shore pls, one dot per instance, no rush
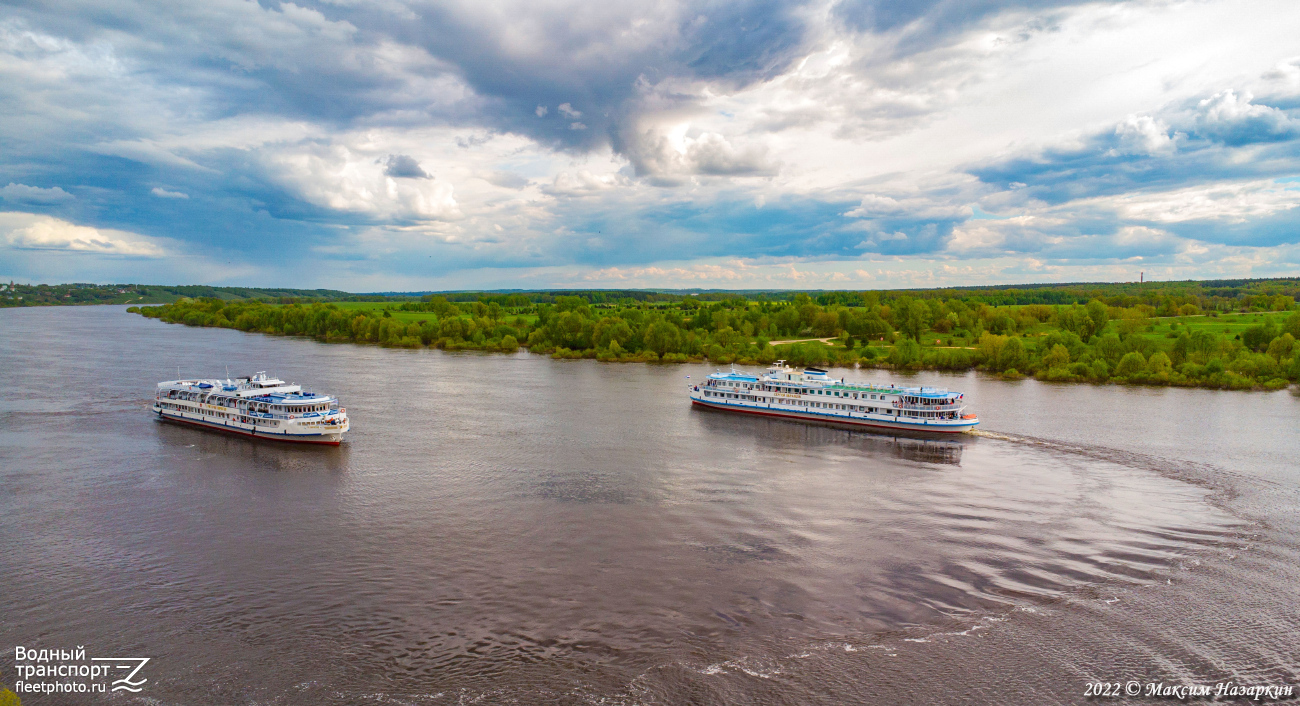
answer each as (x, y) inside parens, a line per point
(82, 293)
(1234, 335)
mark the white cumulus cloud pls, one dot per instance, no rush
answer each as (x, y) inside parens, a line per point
(671, 158)
(29, 231)
(1143, 134)
(337, 177)
(1236, 120)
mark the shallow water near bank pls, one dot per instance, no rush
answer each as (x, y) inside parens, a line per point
(515, 528)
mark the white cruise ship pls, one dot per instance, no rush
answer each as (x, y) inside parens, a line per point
(813, 395)
(254, 406)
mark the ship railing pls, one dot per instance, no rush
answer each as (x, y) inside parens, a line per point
(290, 415)
(930, 407)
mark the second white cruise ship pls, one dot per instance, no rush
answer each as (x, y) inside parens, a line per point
(813, 395)
(256, 405)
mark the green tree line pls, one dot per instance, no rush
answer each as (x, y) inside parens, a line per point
(14, 294)
(1168, 342)
(1166, 297)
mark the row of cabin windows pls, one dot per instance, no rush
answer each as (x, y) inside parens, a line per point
(232, 402)
(798, 403)
(864, 395)
(298, 409)
(843, 395)
(796, 390)
(218, 415)
(929, 400)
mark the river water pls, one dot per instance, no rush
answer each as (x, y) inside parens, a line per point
(510, 528)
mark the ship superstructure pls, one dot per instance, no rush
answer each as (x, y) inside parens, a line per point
(256, 405)
(812, 394)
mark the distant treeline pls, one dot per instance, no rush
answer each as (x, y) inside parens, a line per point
(1210, 295)
(1221, 295)
(1165, 338)
(80, 293)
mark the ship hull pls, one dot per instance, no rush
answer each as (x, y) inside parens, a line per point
(856, 422)
(329, 439)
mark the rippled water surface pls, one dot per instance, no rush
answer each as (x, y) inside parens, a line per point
(517, 529)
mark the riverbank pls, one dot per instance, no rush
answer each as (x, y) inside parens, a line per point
(1094, 344)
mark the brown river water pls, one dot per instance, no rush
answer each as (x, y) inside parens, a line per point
(515, 529)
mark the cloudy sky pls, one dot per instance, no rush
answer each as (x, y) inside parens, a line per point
(410, 144)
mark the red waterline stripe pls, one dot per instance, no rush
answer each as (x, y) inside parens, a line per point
(853, 422)
(241, 432)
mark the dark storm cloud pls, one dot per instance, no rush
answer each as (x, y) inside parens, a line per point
(741, 42)
(574, 68)
(403, 61)
(403, 166)
(418, 62)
